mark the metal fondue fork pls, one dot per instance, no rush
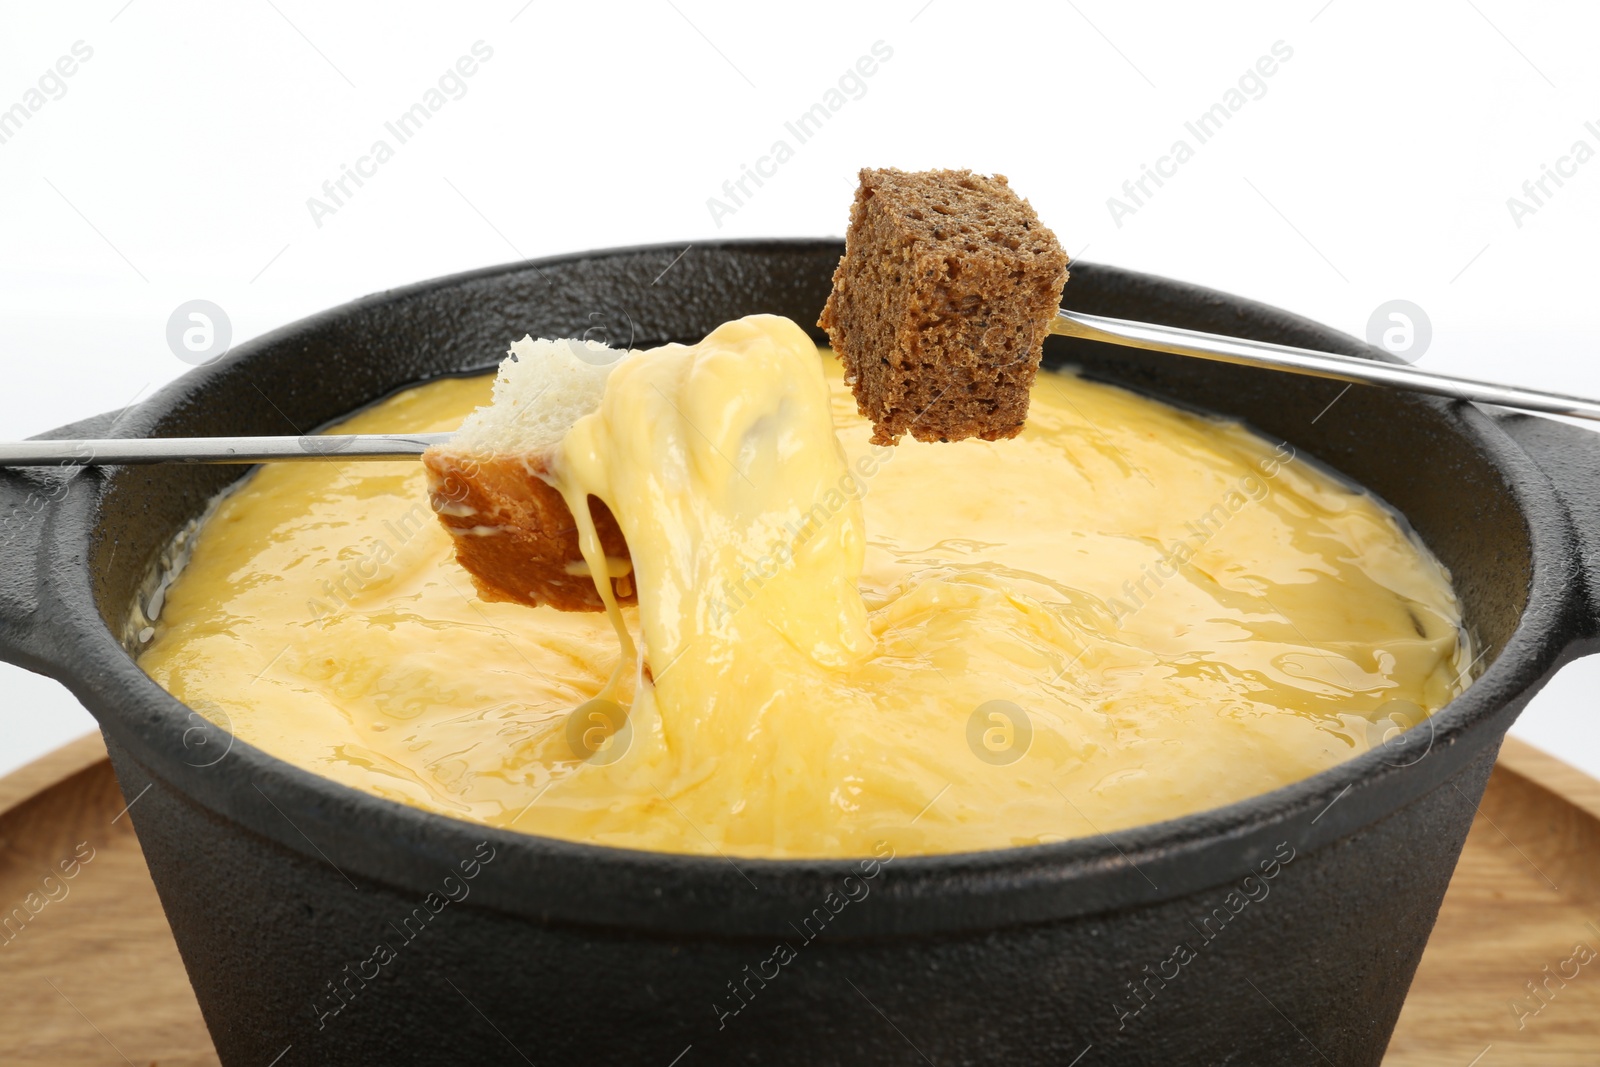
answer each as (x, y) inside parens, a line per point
(1066, 323)
(1221, 349)
(367, 446)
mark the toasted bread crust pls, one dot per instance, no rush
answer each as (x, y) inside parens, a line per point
(941, 304)
(515, 534)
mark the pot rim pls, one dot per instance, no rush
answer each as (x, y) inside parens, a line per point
(553, 879)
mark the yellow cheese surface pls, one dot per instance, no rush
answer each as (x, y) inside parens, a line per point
(1127, 614)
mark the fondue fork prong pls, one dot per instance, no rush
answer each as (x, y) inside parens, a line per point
(1317, 364)
(377, 446)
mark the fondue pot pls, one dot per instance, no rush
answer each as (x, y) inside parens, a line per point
(327, 926)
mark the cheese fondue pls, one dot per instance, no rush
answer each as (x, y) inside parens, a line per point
(1127, 614)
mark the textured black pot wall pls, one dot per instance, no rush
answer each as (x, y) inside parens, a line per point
(1317, 960)
(327, 926)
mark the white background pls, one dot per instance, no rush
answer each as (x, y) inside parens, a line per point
(178, 163)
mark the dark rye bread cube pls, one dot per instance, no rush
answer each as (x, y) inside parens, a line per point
(941, 304)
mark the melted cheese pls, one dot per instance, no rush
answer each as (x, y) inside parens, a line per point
(1125, 615)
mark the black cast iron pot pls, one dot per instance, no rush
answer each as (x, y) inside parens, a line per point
(345, 929)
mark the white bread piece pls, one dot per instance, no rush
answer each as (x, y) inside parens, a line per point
(513, 531)
(542, 388)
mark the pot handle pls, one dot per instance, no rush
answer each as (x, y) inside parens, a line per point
(1570, 457)
(31, 498)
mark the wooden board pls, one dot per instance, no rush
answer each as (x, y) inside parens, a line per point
(1525, 894)
(93, 976)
